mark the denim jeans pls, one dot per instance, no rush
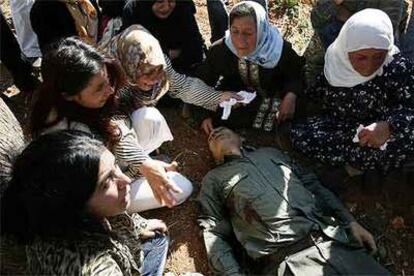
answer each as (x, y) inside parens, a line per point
(155, 254)
(218, 17)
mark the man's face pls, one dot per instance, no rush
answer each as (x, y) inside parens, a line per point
(221, 141)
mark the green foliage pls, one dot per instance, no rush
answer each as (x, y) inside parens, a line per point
(284, 4)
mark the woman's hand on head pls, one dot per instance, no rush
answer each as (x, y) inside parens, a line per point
(153, 226)
(287, 107)
(375, 138)
(155, 172)
(207, 125)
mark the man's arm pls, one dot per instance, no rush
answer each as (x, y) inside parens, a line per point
(217, 230)
(323, 196)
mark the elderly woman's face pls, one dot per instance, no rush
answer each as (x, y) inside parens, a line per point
(163, 8)
(111, 196)
(243, 32)
(367, 61)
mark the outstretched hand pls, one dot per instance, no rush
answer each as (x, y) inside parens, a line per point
(364, 237)
(155, 172)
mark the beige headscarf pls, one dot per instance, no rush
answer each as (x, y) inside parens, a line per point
(86, 19)
(134, 47)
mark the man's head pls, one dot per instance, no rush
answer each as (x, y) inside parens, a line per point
(223, 141)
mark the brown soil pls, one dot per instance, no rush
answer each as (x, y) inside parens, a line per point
(387, 210)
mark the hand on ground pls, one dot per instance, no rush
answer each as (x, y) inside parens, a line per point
(287, 107)
(363, 237)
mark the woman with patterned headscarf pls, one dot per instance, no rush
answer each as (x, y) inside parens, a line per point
(56, 19)
(366, 91)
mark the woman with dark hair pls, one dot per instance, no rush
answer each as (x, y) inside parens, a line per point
(82, 89)
(174, 25)
(253, 56)
(72, 218)
(53, 20)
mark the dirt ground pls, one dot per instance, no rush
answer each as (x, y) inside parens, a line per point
(385, 207)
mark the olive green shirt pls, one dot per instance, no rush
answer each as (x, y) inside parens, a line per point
(267, 202)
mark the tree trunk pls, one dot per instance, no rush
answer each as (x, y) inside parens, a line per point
(11, 143)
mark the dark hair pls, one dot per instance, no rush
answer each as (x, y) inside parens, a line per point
(67, 68)
(242, 10)
(52, 181)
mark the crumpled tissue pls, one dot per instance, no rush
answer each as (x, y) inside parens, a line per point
(226, 105)
(370, 127)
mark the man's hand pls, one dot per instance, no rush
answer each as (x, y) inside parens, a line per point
(156, 173)
(287, 107)
(363, 237)
(153, 226)
(207, 125)
(375, 138)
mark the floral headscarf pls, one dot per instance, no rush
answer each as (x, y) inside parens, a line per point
(86, 19)
(134, 47)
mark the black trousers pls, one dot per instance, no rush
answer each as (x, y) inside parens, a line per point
(12, 57)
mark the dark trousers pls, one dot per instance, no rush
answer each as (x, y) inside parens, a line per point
(12, 57)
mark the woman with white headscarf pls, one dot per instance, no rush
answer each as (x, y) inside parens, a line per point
(366, 91)
(253, 56)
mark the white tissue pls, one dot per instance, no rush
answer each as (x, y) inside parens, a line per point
(226, 105)
(370, 127)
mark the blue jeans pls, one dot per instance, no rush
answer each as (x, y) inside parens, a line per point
(155, 254)
(218, 17)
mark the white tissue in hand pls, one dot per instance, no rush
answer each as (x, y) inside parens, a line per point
(226, 105)
(370, 127)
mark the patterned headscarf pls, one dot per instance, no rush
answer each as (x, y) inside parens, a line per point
(85, 17)
(134, 47)
(369, 28)
(269, 43)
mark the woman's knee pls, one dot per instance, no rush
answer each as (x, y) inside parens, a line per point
(184, 184)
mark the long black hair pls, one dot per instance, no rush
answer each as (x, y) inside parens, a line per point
(52, 180)
(67, 68)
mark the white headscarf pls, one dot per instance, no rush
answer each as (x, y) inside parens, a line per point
(269, 41)
(369, 28)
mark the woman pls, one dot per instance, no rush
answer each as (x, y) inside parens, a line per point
(253, 56)
(174, 25)
(81, 89)
(56, 19)
(72, 218)
(366, 83)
